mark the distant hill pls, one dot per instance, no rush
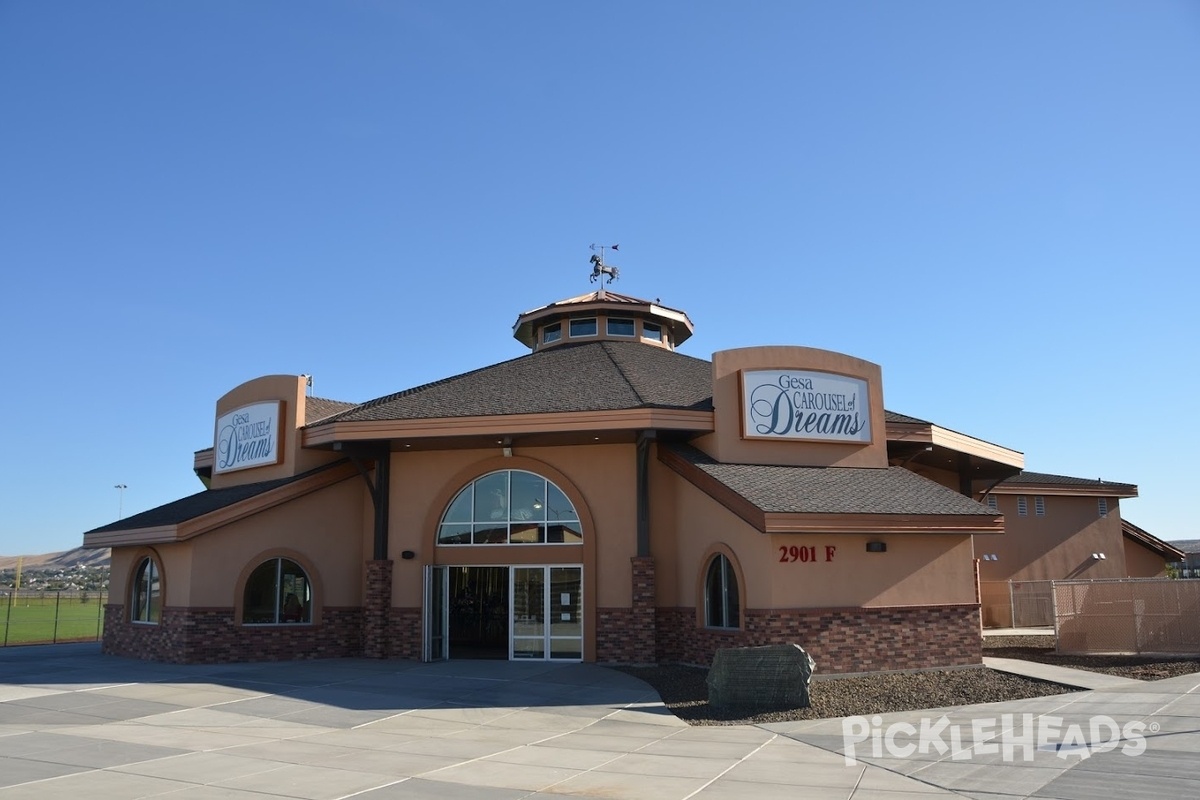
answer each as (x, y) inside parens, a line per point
(67, 558)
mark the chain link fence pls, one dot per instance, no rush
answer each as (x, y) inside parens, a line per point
(1017, 604)
(1133, 615)
(31, 616)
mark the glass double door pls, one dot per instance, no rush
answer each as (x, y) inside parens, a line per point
(514, 612)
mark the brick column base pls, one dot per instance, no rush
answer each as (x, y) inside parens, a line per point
(644, 625)
(377, 606)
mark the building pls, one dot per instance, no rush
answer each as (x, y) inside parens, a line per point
(601, 498)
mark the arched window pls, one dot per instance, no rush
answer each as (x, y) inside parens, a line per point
(277, 592)
(146, 603)
(510, 507)
(721, 607)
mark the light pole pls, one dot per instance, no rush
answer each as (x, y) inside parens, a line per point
(120, 487)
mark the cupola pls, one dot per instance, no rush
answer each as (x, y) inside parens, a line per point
(602, 315)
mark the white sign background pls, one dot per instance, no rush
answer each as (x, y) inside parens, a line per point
(247, 437)
(804, 404)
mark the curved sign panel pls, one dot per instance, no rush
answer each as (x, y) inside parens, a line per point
(247, 437)
(805, 404)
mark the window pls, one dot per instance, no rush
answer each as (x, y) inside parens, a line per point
(552, 333)
(510, 507)
(277, 592)
(991, 502)
(146, 603)
(1103, 504)
(652, 331)
(1039, 505)
(583, 327)
(721, 594)
(1022, 506)
(620, 327)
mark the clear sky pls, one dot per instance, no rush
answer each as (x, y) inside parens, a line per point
(999, 203)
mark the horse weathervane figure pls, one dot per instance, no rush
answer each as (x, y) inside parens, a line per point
(599, 268)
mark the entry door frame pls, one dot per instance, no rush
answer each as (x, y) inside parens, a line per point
(548, 609)
(435, 619)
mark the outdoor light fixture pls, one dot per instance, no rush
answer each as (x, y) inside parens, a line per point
(408, 555)
(1099, 556)
(876, 547)
(991, 557)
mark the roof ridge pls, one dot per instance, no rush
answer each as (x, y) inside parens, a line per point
(621, 372)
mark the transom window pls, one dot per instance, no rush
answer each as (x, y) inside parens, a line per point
(721, 605)
(277, 592)
(552, 333)
(510, 507)
(583, 327)
(620, 327)
(146, 603)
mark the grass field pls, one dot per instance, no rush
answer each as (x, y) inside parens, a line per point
(36, 617)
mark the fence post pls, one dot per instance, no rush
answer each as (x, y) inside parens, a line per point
(57, 608)
(1012, 606)
(99, 613)
(8, 617)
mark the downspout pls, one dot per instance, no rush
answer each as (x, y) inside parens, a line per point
(643, 491)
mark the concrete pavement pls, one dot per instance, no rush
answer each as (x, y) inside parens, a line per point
(76, 723)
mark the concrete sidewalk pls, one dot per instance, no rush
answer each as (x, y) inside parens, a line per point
(76, 723)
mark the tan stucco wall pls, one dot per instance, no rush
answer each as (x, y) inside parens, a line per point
(602, 476)
(1057, 546)
(1141, 562)
(174, 569)
(291, 390)
(916, 569)
(726, 443)
(324, 528)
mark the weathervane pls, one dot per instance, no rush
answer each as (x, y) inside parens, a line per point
(599, 268)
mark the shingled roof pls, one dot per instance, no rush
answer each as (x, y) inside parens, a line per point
(595, 376)
(201, 503)
(833, 490)
(1066, 481)
(317, 408)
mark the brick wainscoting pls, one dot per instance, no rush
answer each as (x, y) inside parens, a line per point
(406, 633)
(209, 636)
(628, 635)
(839, 639)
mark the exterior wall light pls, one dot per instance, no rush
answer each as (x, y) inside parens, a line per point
(876, 547)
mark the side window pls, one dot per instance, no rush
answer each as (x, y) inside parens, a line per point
(145, 605)
(277, 592)
(552, 333)
(721, 605)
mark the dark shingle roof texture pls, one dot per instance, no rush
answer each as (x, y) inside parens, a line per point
(1065, 480)
(597, 376)
(317, 408)
(834, 490)
(201, 503)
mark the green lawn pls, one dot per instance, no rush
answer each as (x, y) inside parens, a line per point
(35, 619)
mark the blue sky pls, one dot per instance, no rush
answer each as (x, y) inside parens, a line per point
(997, 203)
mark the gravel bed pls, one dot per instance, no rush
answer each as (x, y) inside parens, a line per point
(684, 691)
(1041, 649)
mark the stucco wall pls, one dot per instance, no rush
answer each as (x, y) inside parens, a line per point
(916, 570)
(1142, 563)
(1057, 546)
(323, 528)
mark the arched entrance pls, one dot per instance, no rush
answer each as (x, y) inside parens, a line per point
(498, 594)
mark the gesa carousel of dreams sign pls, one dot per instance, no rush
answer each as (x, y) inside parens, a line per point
(248, 437)
(801, 404)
